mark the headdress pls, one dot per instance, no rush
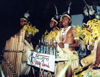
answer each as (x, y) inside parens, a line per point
(53, 19)
(66, 15)
(23, 20)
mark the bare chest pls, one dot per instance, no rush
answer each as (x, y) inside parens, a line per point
(68, 38)
(66, 35)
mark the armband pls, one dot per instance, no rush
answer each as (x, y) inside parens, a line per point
(88, 47)
(76, 38)
(66, 45)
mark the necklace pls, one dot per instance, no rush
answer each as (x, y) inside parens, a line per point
(64, 33)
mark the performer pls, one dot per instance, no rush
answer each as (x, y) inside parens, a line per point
(93, 58)
(21, 33)
(53, 29)
(27, 46)
(27, 37)
(60, 24)
(66, 46)
(53, 24)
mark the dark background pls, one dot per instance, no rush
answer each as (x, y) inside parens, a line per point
(40, 11)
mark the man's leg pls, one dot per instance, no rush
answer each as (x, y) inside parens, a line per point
(59, 68)
(69, 72)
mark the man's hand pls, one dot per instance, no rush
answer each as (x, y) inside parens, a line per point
(61, 45)
(95, 65)
(91, 47)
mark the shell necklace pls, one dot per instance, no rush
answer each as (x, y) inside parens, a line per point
(64, 33)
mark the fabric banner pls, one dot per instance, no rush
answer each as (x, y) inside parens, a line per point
(43, 61)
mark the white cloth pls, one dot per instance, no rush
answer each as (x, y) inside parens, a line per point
(66, 45)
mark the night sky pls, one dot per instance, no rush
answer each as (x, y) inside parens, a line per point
(40, 13)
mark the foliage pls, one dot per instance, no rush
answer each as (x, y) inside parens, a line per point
(90, 32)
(31, 30)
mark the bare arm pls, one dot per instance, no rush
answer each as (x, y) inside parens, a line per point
(98, 54)
(97, 62)
(75, 43)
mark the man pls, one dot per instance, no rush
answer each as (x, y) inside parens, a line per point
(60, 24)
(66, 44)
(26, 42)
(93, 58)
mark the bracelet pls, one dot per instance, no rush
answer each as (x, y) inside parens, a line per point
(88, 47)
(76, 38)
(66, 45)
